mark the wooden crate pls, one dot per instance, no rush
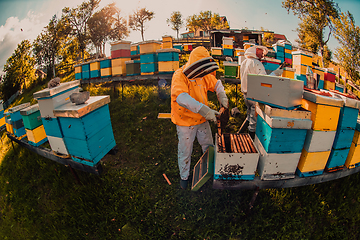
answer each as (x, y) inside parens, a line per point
(312, 163)
(275, 91)
(37, 136)
(353, 158)
(31, 117)
(234, 166)
(319, 141)
(49, 99)
(273, 166)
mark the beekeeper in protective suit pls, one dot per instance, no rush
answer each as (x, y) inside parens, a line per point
(252, 65)
(189, 106)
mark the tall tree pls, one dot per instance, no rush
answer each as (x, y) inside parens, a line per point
(206, 21)
(78, 17)
(176, 22)
(138, 18)
(19, 70)
(315, 17)
(47, 45)
(106, 24)
(348, 36)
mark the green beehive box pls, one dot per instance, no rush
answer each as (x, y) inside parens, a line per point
(230, 69)
(31, 117)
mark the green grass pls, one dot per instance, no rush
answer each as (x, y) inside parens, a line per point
(40, 199)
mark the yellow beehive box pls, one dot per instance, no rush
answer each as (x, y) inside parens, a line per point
(149, 46)
(167, 39)
(289, 72)
(329, 85)
(94, 66)
(227, 46)
(320, 71)
(313, 161)
(216, 51)
(2, 121)
(105, 72)
(169, 66)
(287, 50)
(356, 138)
(300, 57)
(300, 69)
(134, 47)
(78, 69)
(120, 70)
(117, 62)
(36, 135)
(324, 117)
(9, 128)
(353, 158)
(167, 45)
(238, 51)
(246, 38)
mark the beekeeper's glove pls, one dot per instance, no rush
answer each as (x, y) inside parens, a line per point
(277, 72)
(208, 113)
(224, 101)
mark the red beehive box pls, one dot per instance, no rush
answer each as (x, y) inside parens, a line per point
(329, 75)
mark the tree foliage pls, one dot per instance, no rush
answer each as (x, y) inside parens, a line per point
(205, 21)
(176, 22)
(19, 70)
(315, 17)
(348, 36)
(48, 44)
(78, 18)
(106, 24)
(138, 19)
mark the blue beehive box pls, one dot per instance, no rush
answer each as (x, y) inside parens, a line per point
(87, 129)
(52, 127)
(288, 55)
(85, 71)
(149, 67)
(16, 119)
(168, 54)
(321, 84)
(94, 74)
(278, 48)
(228, 52)
(105, 63)
(178, 46)
(148, 58)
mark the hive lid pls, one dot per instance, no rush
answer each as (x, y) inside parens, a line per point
(348, 102)
(29, 110)
(274, 60)
(77, 111)
(150, 41)
(316, 97)
(18, 108)
(168, 50)
(228, 63)
(289, 69)
(120, 42)
(58, 89)
(300, 52)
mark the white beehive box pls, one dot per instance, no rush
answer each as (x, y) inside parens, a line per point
(57, 145)
(51, 98)
(234, 166)
(274, 166)
(319, 141)
(275, 91)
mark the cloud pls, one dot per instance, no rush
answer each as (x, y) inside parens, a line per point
(14, 31)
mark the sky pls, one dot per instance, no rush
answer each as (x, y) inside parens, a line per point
(25, 19)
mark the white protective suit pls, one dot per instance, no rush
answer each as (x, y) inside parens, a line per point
(252, 65)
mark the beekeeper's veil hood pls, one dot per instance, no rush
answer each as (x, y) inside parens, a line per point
(200, 64)
(251, 52)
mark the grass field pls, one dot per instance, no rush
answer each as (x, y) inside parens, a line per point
(40, 199)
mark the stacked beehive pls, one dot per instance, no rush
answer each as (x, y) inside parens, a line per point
(167, 42)
(120, 53)
(301, 62)
(35, 131)
(94, 68)
(280, 137)
(133, 67)
(329, 79)
(353, 158)
(288, 53)
(279, 48)
(236, 157)
(9, 127)
(16, 119)
(319, 74)
(168, 59)
(245, 39)
(288, 72)
(105, 67)
(270, 64)
(135, 49)
(228, 46)
(85, 71)
(78, 69)
(339, 87)
(187, 47)
(324, 115)
(86, 128)
(148, 57)
(49, 99)
(178, 46)
(2, 116)
(344, 132)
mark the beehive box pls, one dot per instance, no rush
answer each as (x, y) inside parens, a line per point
(167, 55)
(329, 85)
(270, 64)
(126, 45)
(301, 57)
(148, 58)
(57, 145)
(273, 166)
(49, 99)
(343, 138)
(149, 68)
(178, 46)
(85, 71)
(106, 72)
(168, 67)
(320, 71)
(118, 66)
(78, 72)
(339, 87)
(149, 46)
(329, 75)
(230, 165)
(275, 91)
(300, 69)
(225, 46)
(279, 48)
(324, 109)
(203, 169)
(87, 129)
(353, 158)
(228, 52)
(312, 163)
(31, 117)
(230, 69)
(281, 135)
(216, 51)
(227, 41)
(135, 49)
(319, 141)
(337, 159)
(248, 45)
(36, 136)
(288, 72)
(2, 121)
(132, 67)
(94, 69)
(16, 119)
